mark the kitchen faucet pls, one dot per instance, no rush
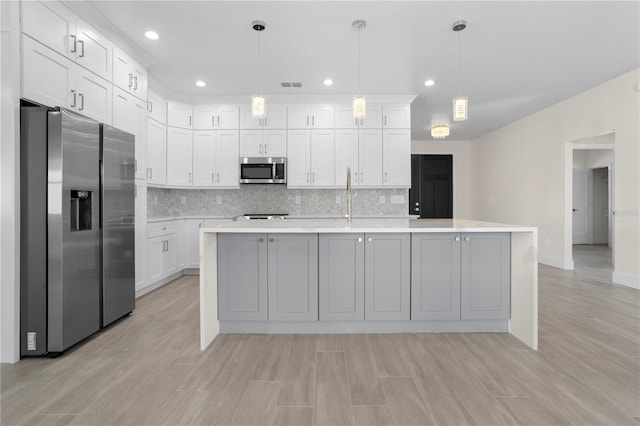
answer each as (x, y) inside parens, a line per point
(349, 200)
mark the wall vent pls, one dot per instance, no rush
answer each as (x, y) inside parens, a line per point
(289, 84)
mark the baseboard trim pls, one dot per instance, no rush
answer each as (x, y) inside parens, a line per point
(338, 327)
(556, 263)
(156, 285)
(626, 280)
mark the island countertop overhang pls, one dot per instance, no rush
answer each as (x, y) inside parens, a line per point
(381, 225)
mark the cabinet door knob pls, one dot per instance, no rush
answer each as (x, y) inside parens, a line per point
(261, 240)
(270, 240)
(359, 239)
(467, 238)
(456, 239)
(369, 239)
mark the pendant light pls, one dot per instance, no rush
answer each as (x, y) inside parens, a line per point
(460, 103)
(359, 102)
(258, 106)
(440, 132)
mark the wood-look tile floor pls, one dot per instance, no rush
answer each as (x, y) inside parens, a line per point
(148, 370)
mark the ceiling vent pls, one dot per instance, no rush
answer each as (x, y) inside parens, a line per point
(287, 84)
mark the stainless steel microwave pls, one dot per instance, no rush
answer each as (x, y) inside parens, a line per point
(263, 170)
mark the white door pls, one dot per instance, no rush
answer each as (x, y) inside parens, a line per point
(156, 107)
(179, 150)
(274, 143)
(251, 143)
(94, 51)
(228, 158)
(346, 154)
(47, 77)
(373, 118)
(396, 157)
(155, 256)
(204, 153)
(156, 153)
(276, 117)
(298, 117)
(322, 158)
(228, 117)
(582, 215)
(396, 116)
(370, 158)
(140, 206)
(179, 115)
(94, 96)
(192, 247)
(204, 117)
(298, 158)
(52, 24)
(322, 117)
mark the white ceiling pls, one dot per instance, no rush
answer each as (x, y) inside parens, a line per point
(517, 57)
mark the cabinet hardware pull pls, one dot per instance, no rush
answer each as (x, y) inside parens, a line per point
(75, 43)
(355, 121)
(307, 120)
(189, 177)
(265, 122)
(313, 120)
(218, 174)
(135, 80)
(260, 148)
(167, 244)
(135, 165)
(359, 239)
(130, 80)
(150, 106)
(307, 177)
(189, 121)
(148, 172)
(385, 119)
(81, 101)
(265, 149)
(82, 44)
(218, 121)
(73, 92)
(314, 177)
(361, 177)
(213, 123)
(213, 179)
(385, 176)
(455, 239)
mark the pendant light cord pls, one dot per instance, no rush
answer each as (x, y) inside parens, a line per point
(359, 30)
(259, 63)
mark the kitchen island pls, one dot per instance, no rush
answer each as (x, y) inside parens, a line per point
(368, 275)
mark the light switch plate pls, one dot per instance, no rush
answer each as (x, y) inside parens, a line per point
(338, 199)
(397, 199)
(298, 199)
(383, 199)
(155, 199)
(218, 199)
(183, 200)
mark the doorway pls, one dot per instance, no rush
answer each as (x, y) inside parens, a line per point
(592, 208)
(431, 193)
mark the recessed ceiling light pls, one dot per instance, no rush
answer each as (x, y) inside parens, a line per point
(200, 83)
(151, 35)
(429, 83)
(327, 82)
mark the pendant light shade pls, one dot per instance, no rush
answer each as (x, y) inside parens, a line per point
(258, 107)
(258, 103)
(440, 131)
(359, 102)
(359, 107)
(460, 105)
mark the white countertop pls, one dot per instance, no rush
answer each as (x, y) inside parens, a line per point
(365, 225)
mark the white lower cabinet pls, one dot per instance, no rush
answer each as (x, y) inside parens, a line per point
(162, 250)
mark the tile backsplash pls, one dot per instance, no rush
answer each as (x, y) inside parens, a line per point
(163, 202)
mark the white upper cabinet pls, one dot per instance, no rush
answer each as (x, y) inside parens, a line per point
(370, 158)
(310, 117)
(204, 152)
(396, 157)
(344, 117)
(55, 26)
(156, 153)
(322, 158)
(53, 80)
(275, 118)
(396, 116)
(346, 155)
(47, 77)
(211, 117)
(179, 115)
(227, 158)
(129, 114)
(93, 50)
(129, 75)
(94, 96)
(263, 143)
(215, 158)
(298, 158)
(179, 156)
(156, 107)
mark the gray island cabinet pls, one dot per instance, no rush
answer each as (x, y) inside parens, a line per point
(372, 276)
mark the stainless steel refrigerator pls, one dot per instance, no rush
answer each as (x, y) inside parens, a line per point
(77, 232)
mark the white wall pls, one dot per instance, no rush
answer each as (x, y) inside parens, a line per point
(522, 172)
(592, 158)
(461, 151)
(9, 172)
